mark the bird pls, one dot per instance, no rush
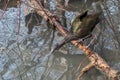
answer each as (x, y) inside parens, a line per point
(83, 24)
(81, 28)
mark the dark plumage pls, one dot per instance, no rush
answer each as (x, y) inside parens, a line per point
(82, 26)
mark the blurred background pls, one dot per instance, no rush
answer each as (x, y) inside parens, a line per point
(26, 38)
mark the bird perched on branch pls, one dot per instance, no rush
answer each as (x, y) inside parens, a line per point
(83, 24)
(82, 27)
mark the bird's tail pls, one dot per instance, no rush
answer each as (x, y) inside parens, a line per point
(64, 41)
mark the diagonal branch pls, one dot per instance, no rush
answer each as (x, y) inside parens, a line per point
(95, 59)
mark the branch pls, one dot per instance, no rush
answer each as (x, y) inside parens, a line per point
(95, 59)
(84, 70)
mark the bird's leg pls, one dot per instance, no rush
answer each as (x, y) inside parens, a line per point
(92, 41)
(88, 36)
(81, 40)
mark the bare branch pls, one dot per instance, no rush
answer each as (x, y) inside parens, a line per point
(95, 59)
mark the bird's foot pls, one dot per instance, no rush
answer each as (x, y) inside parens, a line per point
(80, 42)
